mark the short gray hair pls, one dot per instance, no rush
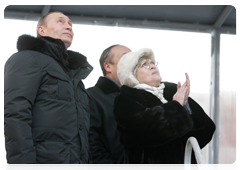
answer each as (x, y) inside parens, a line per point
(106, 57)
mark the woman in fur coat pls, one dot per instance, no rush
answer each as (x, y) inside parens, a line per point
(156, 118)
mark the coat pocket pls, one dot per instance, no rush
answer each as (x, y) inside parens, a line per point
(52, 152)
(58, 86)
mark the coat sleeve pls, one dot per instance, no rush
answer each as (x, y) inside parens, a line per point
(203, 128)
(99, 152)
(150, 126)
(21, 83)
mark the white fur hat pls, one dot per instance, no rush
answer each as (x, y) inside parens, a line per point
(128, 62)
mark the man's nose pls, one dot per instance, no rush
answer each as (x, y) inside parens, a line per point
(69, 27)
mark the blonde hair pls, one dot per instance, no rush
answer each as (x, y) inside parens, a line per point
(138, 64)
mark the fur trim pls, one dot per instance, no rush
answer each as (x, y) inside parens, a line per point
(28, 42)
(76, 60)
(128, 62)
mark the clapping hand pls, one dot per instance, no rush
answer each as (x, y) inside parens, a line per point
(183, 91)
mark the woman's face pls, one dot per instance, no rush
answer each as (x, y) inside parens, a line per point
(148, 73)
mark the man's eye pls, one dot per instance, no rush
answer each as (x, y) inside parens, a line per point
(60, 21)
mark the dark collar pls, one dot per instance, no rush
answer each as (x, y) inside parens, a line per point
(107, 85)
(140, 94)
(54, 48)
(169, 90)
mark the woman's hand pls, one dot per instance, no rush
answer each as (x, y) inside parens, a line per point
(183, 91)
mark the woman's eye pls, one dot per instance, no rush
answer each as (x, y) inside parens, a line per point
(144, 64)
(60, 21)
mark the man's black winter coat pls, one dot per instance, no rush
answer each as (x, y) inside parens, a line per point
(46, 114)
(156, 133)
(104, 138)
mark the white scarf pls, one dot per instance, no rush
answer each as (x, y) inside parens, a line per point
(157, 91)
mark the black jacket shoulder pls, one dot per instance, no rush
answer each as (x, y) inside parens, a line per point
(105, 85)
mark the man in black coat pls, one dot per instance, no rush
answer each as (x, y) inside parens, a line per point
(46, 116)
(104, 138)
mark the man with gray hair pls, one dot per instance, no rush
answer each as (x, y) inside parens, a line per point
(46, 117)
(104, 138)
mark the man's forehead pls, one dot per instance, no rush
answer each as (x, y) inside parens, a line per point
(56, 15)
(121, 49)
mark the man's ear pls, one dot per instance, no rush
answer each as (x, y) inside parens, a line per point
(107, 67)
(41, 30)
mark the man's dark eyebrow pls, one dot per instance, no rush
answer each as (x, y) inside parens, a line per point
(69, 21)
(60, 17)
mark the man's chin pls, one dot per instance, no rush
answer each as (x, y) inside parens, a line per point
(67, 43)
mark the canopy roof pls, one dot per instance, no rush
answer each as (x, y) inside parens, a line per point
(195, 18)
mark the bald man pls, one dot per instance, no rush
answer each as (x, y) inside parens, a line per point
(104, 138)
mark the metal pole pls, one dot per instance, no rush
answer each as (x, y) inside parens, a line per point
(214, 95)
(45, 10)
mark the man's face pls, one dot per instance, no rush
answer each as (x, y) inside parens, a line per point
(58, 26)
(118, 52)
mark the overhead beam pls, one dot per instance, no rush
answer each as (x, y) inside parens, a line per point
(147, 24)
(22, 15)
(227, 30)
(223, 16)
(133, 23)
(122, 22)
(45, 10)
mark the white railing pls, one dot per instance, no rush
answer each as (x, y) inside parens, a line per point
(192, 143)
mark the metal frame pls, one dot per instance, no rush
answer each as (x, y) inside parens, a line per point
(223, 16)
(45, 10)
(214, 86)
(133, 23)
(214, 95)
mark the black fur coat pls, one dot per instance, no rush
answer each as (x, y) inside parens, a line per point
(156, 133)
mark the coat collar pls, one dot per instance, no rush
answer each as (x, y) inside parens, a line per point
(169, 90)
(107, 85)
(54, 48)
